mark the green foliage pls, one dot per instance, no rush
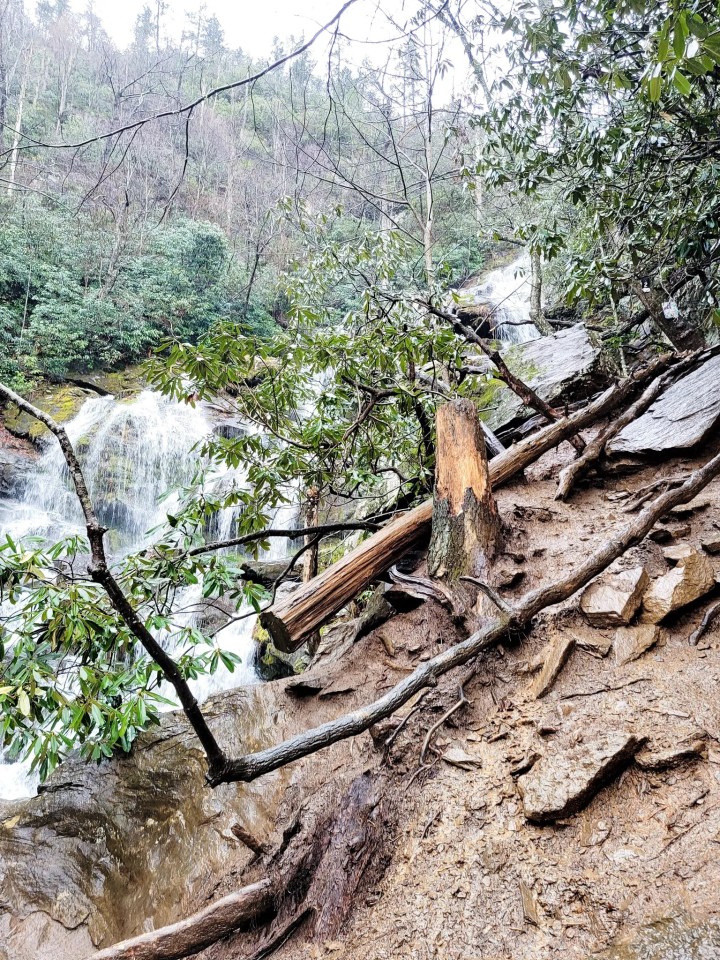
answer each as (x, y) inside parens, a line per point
(71, 674)
(605, 117)
(65, 307)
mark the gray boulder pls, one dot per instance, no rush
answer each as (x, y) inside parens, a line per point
(683, 417)
(563, 367)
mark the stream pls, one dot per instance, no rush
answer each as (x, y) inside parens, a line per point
(136, 453)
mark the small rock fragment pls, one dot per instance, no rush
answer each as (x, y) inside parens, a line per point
(632, 642)
(677, 552)
(711, 545)
(651, 758)
(557, 653)
(691, 579)
(613, 600)
(528, 905)
(596, 643)
(561, 784)
(458, 757)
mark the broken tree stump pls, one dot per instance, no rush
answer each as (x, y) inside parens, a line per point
(465, 522)
(292, 620)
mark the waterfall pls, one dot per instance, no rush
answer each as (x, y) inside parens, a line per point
(135, 455)
(507, 291)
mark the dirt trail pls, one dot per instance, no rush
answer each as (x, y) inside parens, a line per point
(466, 877)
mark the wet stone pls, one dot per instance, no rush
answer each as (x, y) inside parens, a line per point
(561, 784)
(613, 599)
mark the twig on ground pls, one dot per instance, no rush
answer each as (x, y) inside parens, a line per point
(462, 701)
(710, 614)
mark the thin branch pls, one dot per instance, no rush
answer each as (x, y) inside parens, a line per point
(188, 108)
(292, 534)
(100, 573)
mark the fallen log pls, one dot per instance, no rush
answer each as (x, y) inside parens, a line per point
(291, 621)
(198, 931)
(465, 522)
(255, 765)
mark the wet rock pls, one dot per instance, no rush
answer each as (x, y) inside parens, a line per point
(691, 579)
(654, 757)
(561, 784)
(61, 402)
(556, 655)
(16, 459)
(336, 640)
(564, 366)
(271, 663)
(632, 642)
(614, 599)
(108, 851)
(683, 417)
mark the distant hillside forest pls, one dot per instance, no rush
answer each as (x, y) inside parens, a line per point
(146, 193)
(108, 247)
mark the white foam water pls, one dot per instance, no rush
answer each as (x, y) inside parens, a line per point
(507, 289)
(135, 455)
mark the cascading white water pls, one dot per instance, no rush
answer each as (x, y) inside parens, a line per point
(134, 455)
(507, 290)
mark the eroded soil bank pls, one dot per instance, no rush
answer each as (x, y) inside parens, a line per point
(378, 858)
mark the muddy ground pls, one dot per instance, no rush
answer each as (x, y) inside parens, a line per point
(456, 871)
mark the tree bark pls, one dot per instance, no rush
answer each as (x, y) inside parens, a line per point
(536, 282)
(465, 522)
(681, 334)
(292, 620)
(310, 560)
(195, 933)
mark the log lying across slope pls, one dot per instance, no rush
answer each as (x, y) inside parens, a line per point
(351, 724)
(294, 619)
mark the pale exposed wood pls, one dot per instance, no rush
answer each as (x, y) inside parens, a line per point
(256, 765)
(292, 620)
(195, 933)
(465, 522)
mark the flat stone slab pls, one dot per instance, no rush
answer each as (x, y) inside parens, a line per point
(562, 784)
(632, 642)
(556, 655)
(692, 578)
(681, 418)
(614, 599)
(653, 757)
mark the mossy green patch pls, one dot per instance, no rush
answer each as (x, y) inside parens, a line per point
(61, 402)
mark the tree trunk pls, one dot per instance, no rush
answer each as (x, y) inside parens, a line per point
(310, 560)
(12, 167)
(681, 334)
(465, 522)
(536, 281)
(292, 620)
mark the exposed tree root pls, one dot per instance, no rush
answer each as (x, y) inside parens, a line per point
(710, 614)
(255, 765)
